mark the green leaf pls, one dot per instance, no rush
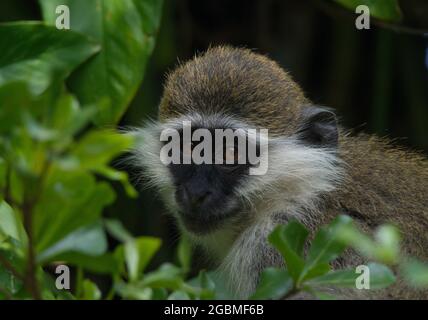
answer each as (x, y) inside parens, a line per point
(10, 224)
(416, 273)
(386, 249)
(70, 200)
(68, 118)
(138, 254)
(388, 10)
(207, 285)
(36, 54)
(133, 291)
(126, 29)
(388, 238)
(167, 276)
(343, 278)
(284, 243)
(179, 295)
(296, 235)
(116, 229)
(318, 270)
(89, 240)
(90, 291)
(15, 99)
(274, 283)
(120, 176)
(97, 148)
(107, 263)
(380, 277)
(326, 246)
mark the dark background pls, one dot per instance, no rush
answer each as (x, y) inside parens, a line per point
(376, 79)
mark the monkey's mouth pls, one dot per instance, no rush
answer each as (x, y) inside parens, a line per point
(207, 221)
(201, 226)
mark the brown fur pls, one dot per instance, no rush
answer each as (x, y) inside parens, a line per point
(384, 183)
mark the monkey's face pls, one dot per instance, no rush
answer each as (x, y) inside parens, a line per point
(200, 179)
(210, 186)
(205, 194)
(205, 187)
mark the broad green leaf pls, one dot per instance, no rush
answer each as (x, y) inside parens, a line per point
(283, 243)
(388, 10)
(97, 148)
(388, 238)
(89, 240)
(386, 249)
(380, 277)
(70, 200)
(90, 291)
(126, 29)
(10, 224)
(107, 263)
(159, 294)
(133, 291)
(15, 99)
(44, 53)
(116, 229)
(318, 270)
(416, 273)
(220, 283)
(138, 254)
(120, 176)
(274, 284)
(296, 235)
(179, 295)
(167, 276)
(207, 285)
(343, 278)
(67, 117)
(326, 246)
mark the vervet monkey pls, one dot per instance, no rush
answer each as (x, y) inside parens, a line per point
(316, 169)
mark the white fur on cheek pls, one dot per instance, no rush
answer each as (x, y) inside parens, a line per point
(146, 155)
(296, 176)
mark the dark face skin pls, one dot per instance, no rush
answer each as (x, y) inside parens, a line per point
(205, 193)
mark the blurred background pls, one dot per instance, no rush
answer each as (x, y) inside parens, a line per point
(376, 79)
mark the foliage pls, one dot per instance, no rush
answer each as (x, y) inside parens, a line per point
(54, 165)
(312, 272)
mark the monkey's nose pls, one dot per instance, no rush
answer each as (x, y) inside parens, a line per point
(194, 199)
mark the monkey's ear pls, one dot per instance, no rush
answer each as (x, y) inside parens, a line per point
(319, 127)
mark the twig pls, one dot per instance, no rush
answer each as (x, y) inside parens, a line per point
(31, 278)
(31, 282)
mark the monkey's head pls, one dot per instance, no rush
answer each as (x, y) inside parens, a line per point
(230, 88)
